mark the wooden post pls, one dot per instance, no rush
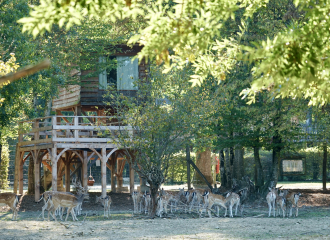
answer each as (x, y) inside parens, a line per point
(36, 125)
(113, 171)
(120, 169)
(76, 132)
(36, 176)
(54, 168)
(20, 177)
(188, 167)
(67, 175)
(45, 178)
(131, 179)
(104, 172)
(325, 159)
(17, 158)
(84, 175)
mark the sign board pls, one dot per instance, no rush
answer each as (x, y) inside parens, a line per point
(293, 166)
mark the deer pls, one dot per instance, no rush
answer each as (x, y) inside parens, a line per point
(59, 199)
(137, 200)
(194, 197)
(59, 210)
(213, 199)
(233, 199)
(292, 199)
(271, 198)
(147, 202)
(243, 195)
(106, 202)
(11, 199)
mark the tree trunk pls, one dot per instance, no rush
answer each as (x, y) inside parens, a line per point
(276, 159)
(325, 159)
(0, 151)
(228, 168)
(0, 148)
(222, 168)
(153, 192)
(238, 166)
(188, 166)
(258, 172)
(204, 163)
(31, 176)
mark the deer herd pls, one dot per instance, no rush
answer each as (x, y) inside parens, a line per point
(195, 200)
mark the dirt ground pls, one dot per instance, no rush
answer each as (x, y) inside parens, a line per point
(313, 222)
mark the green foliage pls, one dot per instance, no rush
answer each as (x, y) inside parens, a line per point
(4, 165)
(177, 170)
(295, 63)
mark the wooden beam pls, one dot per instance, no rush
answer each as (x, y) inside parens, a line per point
(26, 157)
(30, 148)
(47, 165)
(108, 166)
(31, 69)
(74, 172)
(201, 174)
(58, 112)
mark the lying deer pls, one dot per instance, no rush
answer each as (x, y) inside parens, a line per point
(106, 202)
(11, 200)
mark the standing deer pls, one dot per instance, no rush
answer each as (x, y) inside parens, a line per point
(11, 200)
(106, 202)
(233, 199)
(59, 199)
(137, 200)
(271, 198)
(213, 199)
(292, 199)
(194, 197)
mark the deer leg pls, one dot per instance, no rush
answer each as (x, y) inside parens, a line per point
(230, 210)
(67, 213)
(74, 217)
(236, 207)
(269, 208)
(296, 210)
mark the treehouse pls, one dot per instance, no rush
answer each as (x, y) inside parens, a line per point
(66, 144)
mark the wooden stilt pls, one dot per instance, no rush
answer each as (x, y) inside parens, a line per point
(60, 174)
(113, 173)
(84, 168)
(17, 158)
(36, 176)
(104, 172)
(67, 175)
(20, 177)
(131, 179)
(54, 168)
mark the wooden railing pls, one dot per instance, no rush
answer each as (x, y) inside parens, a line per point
(69, 129)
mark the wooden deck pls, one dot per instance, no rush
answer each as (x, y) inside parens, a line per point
(60, 142)
(72, 131)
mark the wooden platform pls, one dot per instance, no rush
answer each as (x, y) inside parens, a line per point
(64, 144)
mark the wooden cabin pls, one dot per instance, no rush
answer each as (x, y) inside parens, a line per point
(67, 144)
(89, 94)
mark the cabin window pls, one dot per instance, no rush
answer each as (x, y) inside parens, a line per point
(122, 75)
